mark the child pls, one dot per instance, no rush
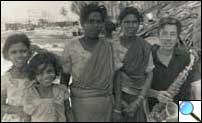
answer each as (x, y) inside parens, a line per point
(17, 50)
(45, 101)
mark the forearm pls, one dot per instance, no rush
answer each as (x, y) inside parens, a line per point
(145, 89)
(68, 111)
(147, 84)
(152, 93)
(117, 93)
(67, 105)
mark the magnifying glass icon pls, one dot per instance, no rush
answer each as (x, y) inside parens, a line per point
(186, 108)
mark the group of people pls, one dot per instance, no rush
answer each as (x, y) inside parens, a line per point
(113, 79)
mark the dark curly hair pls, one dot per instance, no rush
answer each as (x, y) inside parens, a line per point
(130, 10)
(43, 58)
(86, 10)
(14, 39)
(172, 21)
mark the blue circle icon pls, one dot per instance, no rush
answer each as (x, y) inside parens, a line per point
(186, 107)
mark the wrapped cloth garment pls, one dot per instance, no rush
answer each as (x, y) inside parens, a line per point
(46, 109)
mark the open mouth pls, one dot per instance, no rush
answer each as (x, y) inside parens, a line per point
(47, 82)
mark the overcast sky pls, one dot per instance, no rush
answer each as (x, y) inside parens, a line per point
(21, 10)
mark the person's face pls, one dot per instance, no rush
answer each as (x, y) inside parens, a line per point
(94, 25)
(168, 36)
(130, 25)
(46, 75)
(18, 54)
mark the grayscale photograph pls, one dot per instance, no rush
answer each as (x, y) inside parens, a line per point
(100, 61)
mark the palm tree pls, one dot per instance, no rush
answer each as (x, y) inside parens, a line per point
(75, 7)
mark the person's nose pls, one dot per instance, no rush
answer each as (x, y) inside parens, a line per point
(96, 24)
(168, 37)
(19, 55)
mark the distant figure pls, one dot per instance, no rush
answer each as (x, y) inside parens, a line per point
(109, 28)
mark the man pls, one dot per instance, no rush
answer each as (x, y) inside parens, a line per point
(170, 58)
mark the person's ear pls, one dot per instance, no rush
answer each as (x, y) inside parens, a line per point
(8, 56)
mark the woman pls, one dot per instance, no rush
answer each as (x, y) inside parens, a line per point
(133, 78)
(44, 100)
(89, 60)
(17, 50)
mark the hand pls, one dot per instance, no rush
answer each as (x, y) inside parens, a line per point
(164, 96)
(195, 53)
(131, 108)
(124, 104)
(172, 119)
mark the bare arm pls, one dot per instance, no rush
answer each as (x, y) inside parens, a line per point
(66, 66)
(148, 80)
(152, 93)
(145, 89)
(68, 111)
(117, 92)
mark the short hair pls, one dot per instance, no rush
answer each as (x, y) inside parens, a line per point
(14, 39)
(86, 10)
(130, 10)
(170, 21)
(43, 58)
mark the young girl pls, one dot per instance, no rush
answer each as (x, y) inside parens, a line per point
(45, 101)
(17, 50)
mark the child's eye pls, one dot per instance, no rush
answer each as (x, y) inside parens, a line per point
(23, 51)
(13, 52)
